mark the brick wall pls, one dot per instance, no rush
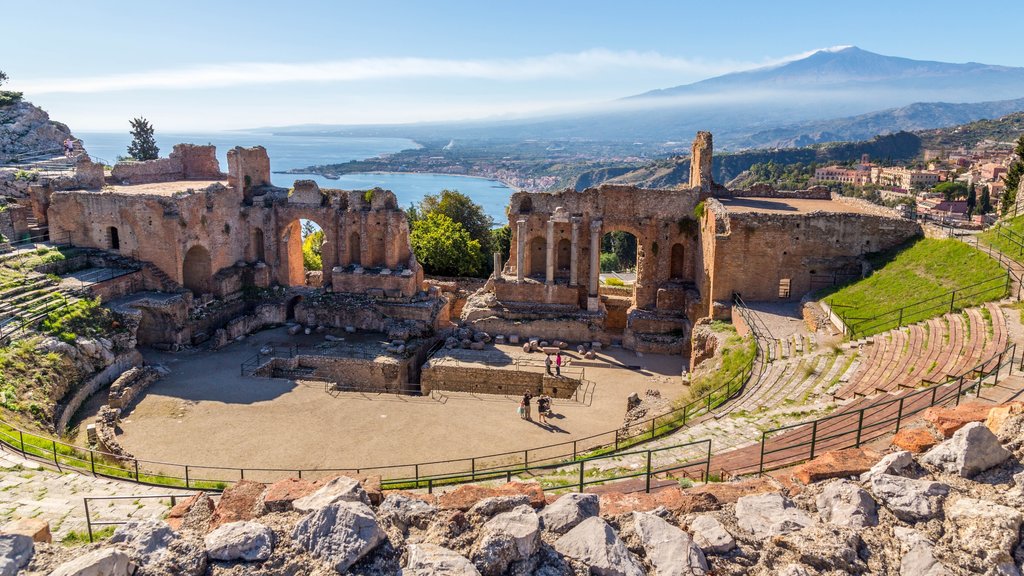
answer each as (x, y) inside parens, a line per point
(466, 378)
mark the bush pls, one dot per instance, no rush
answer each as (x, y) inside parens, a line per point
(82, 318)
(312, 258)
(613, 281)
(9, 97)
(609, 262)
(444, 247)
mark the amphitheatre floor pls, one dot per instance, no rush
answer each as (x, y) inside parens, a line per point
(205, 413)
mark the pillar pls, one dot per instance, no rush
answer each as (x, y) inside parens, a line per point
(497, 266)
(549, 269)
(595, 264)
(573, 260)
(520, 249)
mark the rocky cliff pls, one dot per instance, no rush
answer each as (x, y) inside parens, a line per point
(25, 127)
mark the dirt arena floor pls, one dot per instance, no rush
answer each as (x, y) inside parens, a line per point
(205, 413)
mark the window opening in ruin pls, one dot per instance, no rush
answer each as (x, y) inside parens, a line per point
(291, 307)
(678, 262)
(302, 251)
(784, 288)
(618, 252)
(355, 249)
(563, 257)
(258, 250)
(115, 238)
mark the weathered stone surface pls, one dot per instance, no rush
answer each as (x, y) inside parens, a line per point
(914, 440)
(910, 500)
(507, 538)
(404, 511)
(670, 550)
(986, 532)
(948, 420)
(194, 512)
(340, 489)
(246, 541)
(281, 494)
(795, 570)
(711, 535)
(147, 541)
(35, 528)
(103, 562)
(972, 449)
(998, 415)
(465, 496)
(836, 464)
(569, 510)
(594, 543)
(16, 551)
(844, 503)
(241, 501)
(497, 504)
(340, 534)
(826, 548)
(895, 464)
(615, 503)
(920, 561)
(770, 514)
(432, 560)
(730, 492)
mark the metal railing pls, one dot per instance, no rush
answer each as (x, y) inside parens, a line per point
(799, 442)
(89, 522)
(762, 333)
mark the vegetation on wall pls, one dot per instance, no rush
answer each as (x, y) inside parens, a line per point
(81, 319)
(28, 378)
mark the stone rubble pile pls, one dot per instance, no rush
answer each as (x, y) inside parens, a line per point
(956, 509)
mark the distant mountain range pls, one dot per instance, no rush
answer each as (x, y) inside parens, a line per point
(831, 95)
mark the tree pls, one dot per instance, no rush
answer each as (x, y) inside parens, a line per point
(461, 209)
(623, 246)
(3, 77)
(7, 96)
(1013, 176)
(951, 190)
(985, 205)
(972, 199)
(312, 248)
(444, 247)
(143, 146)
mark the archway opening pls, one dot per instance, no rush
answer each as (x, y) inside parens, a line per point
(678, 263)
(355, 249)
(563, 257)
(257, 251)
(619, 254)
(303, 242)
(618, 276)
(196, 270)
(290, 312)
(538, 257)
(115, 238)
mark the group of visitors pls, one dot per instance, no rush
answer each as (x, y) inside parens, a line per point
(557, 362)
(69, 147)
(543, 407)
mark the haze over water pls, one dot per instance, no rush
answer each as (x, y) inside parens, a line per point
(288, 152)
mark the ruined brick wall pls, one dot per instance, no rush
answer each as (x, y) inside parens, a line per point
(384, 374)
(767, 191)
(700, 162)
(248, 169)
(185, 162)
(455, 378)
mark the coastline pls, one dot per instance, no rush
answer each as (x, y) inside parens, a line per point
(308, 172)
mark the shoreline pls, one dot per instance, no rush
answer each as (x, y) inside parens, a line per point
(307, 173)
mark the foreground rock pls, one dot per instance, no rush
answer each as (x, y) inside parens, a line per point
(509, 537)
(711, 535)
(404, 511)
(986, 533)
(247, 541)
(670, 550)
(569, 510)
(15, 553)
(105, 562)
(844, 503)
(837, 464)
(594, 543)
(433, 560)
(910, 500)
(340, 534)
(972, 449)
(157, 549)
(340, 489)
(770, 514)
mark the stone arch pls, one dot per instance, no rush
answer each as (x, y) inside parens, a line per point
(538, 256)
(354, 249)
(290, 309)
(563, 257)
(197, 270)
(292, 269)
(678, 262)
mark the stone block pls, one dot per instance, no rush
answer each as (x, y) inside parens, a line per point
(35, 528)
(914, 440)
(948, 420)
(837, 464)
(464, 497)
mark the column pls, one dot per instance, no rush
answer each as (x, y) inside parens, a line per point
(573, 259)
(497, 266)
(520, 249)
(549, 270)
(595, 263)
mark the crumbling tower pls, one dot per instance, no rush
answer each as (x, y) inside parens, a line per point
(700, 163)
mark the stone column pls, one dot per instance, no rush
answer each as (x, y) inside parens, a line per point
(364, 242)
(497, 266)
(573, 259)
(595, 264)
(549, 270)
(520, 249)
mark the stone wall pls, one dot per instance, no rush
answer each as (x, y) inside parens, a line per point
(768, 191)
(69, 406)
(185, 162)
(467, 378)
(383, 373)
(700, 162)
(129, 385)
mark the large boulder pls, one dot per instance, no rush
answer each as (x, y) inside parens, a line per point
(918, 558)
(403, 511)
(770, 514)
(245, 540)
(594, 543)
(240, 501)
(507, 538)
(103, 562)
(948, 420)
(340, 489)
(915, 440)
(711, 535)
(569, 510)
(910, 500)
(827, 549)
(489, 507)
(433, 560)
(16, 551)
(894, 463)
(281, 494)
(670, 550)
(836, 464)
(193, 513)
(972, 449)
(673, 499)
(156, 549)
(340, 534)
(844, 503)
(35, 528)
(986, 533)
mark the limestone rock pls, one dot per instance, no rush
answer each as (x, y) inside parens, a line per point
(1000, 414)
(245, 540)
(569, 510)
(795, 570)
(769, 514)
(594, 543)
(103, 562)
(509, 537)
(972, 449)
(985, 531)
(433, 560)
(240, 501)
(193, 513)
(827, 548)
(894, 463)
(488, 507)
(910, 500)
(35, 528)
(340, 489)
(920, 561)
(404, 511)
(340, 534)
(844, 503)
(711, 535)
(670, 550)
(280, 495)
(16, 551)
(147, 540)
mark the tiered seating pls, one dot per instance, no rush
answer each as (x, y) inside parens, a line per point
(928, 351)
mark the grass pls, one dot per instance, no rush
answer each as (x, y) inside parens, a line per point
(80, 537)
(1008, 238)
(613, 281)
(918, 277)
(737, 354)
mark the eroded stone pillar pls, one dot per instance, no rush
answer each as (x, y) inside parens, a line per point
(595, 264)
(549, 270)
(520, 249)
(573, 258)
(497, 266)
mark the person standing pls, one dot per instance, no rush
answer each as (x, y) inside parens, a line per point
(558, 363)
(526, 405)
(542, 408)
(547, 364)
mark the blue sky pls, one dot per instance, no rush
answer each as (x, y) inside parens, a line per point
(190, 65)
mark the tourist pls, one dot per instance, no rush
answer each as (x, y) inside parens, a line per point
(558, 364)
(69, 147)
(543, 408)
(526, 406)
(547, 364)
(522, 409)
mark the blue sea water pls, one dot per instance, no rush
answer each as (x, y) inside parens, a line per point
(287, 152)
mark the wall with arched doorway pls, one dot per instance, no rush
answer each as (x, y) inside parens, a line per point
(196, 270)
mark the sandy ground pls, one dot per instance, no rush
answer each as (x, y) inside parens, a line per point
(205, 413)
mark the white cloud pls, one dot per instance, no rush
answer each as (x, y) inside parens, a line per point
(573, 65)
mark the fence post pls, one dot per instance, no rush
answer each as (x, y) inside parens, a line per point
(472, 467)
(647, 488)
(998, 366)
(92, 462)
(55, 454)
(900, 323)
(573, 449)
(814, 437)
(959, 389)
(526, 459)
(136, 470)
(88, 520)
(21, 435)
(707, 465)
(860, 426)
(760, 465)
(934, 390)
(952, 299)
(186, 475)
(582, 462)
(899, 414)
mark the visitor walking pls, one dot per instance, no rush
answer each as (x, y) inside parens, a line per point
(558, 364)
(543, 408)
(547, 364)
(522, 409)
(69, 147)
(526, 406)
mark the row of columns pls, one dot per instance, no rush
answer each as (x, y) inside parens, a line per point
(549, 276)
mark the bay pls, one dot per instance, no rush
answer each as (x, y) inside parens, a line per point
(288, 152)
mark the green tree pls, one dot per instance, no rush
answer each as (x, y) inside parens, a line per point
(1013, 175)
(609, 262)
(444, 247)
(501, 241)
(985, 205)
(461, 209)
(951, 190)
(143, 146)
(312, 248)
(972, 199)
(7, 96)
(623, 246)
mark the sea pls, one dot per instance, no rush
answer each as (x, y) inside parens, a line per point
(291, 151)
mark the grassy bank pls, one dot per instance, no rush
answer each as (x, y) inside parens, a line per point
(1008, 238)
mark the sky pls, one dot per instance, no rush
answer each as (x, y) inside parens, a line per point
(190, 66)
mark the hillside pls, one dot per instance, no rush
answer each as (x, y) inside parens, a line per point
(25, 127)
(1006, 129)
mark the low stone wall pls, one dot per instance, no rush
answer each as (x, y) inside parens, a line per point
(565, 329)
(537, 292)
(129, 385)
(483, 380)
(383, 374)
(117, 287)
(186, 162)
(120, 365)
(396, 285)
(263, 316)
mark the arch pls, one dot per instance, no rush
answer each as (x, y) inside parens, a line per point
(293, 264)
(115, 238)
(197, 270)
(290, 314)
(257, 251)
(678, 262)
(354, 249)
(538, 256)
(563, 256)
